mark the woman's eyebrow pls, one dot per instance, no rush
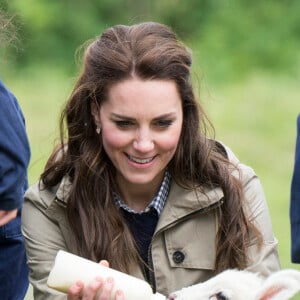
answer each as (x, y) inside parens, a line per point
(118, 116)
(163, 116)
(166, 115)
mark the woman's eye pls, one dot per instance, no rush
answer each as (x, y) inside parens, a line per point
(123, 124)
(164, 123)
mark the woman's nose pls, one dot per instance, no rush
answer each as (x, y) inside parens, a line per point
(143, 142)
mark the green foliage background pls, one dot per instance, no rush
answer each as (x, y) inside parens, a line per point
(246, 65)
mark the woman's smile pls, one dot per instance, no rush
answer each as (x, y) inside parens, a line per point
(140, 161)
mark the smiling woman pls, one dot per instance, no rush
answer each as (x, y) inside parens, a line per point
(136, 180)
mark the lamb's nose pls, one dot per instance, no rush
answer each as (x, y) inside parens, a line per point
(172, 297)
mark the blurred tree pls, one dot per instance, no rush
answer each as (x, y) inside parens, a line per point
(230, 36)
(244, 36)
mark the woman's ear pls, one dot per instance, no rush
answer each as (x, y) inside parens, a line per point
(95, 110)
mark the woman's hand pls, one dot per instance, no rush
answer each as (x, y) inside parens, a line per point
(75, 292)
(7, 215)
(90, 292)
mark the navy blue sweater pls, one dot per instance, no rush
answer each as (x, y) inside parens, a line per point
(142, 227)
(295, 201)
(14, 151)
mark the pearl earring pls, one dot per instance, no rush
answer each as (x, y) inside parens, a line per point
(98, 130)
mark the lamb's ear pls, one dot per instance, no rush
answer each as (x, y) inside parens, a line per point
(281, 285)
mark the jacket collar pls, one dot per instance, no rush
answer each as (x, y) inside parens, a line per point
(63, 191)
(182, 202)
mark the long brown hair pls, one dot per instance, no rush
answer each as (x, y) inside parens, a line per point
(147, 51)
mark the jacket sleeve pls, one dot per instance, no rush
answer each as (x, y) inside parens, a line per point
(295, 201)
(42, 223)
(263, 260)
(14, 152)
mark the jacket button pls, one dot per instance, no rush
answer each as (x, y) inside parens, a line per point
(178, 257)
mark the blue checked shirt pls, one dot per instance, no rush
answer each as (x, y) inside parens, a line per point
(157, 203)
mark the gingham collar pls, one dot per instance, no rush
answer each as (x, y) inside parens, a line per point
(157, 203)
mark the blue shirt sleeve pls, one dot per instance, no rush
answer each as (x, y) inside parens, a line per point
(295, 201)
(14, 151)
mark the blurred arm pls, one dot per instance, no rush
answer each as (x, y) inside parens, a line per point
(14, 154)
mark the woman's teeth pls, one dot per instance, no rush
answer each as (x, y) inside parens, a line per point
(140, 161)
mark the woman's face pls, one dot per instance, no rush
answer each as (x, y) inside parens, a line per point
(141, 123)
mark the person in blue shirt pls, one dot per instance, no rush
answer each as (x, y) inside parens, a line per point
(14, 160)
(295, 201)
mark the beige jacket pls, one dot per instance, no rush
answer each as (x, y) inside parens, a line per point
(183, 245)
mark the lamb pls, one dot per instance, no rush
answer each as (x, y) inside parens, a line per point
(238, 285)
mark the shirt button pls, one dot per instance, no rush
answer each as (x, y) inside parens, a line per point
(178, 257)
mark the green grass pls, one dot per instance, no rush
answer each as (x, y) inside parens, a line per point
(255, 117)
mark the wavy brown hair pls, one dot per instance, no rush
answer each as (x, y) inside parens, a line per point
(147, 51)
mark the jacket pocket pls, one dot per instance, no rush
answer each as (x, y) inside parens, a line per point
(191, 243)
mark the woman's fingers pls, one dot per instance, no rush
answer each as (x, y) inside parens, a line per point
(75, 290)
(107, 289)
(104, 263)
(98, 285)
(7, 216)
(92, 289)
(119, 295)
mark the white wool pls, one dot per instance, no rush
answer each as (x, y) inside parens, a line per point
(243, 285)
